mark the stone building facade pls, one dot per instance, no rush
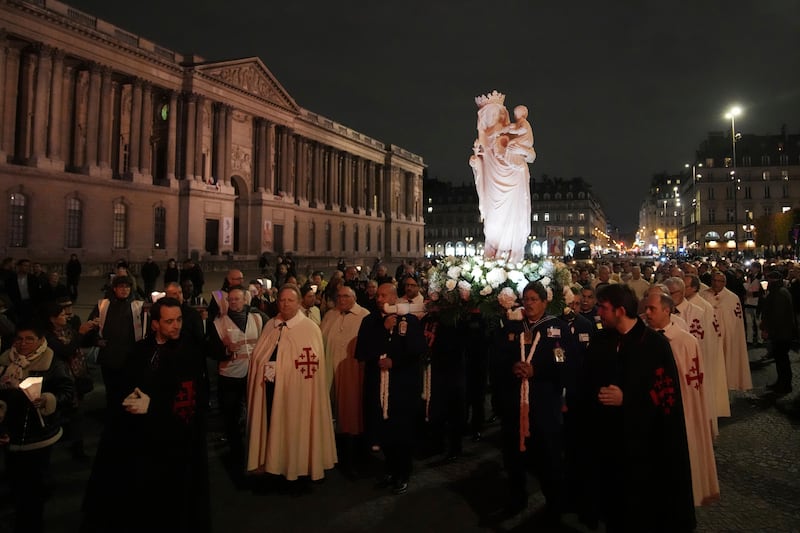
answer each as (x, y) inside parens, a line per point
(113, 146)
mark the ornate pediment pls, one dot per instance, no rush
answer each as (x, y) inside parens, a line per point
(251, 76)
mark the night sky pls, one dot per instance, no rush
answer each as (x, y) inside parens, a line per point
(618, 91)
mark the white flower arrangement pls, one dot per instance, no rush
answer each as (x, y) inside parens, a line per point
(491, 286)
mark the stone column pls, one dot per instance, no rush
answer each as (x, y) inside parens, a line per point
(228, 143)
(346, 180)
(316, 165)
(106, 114)
(191, 132)
(370, 207)
(41, 104)
(145, 142)
(269, 167)
(172, 134)
(92, 119)
(259, 154)
(300, 169)
(282, 176)
(332, 200)
(136, 127)
(219, 141)
(380, 188)
(9, 96)
(56, 109)
(67, 125)
(25, 102)
(199, 171)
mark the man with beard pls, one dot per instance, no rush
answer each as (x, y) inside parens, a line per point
(637, 469)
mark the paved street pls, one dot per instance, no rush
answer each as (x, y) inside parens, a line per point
(757, 457)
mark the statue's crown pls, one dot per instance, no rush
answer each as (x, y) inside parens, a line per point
(493, 97)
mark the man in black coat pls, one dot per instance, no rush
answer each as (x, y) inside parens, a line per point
(637, 473)
(390, 345)
(152, 459)
(779, 328)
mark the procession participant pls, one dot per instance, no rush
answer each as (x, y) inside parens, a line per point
(289, 423)
(390, 346)
(631, 411)
(588, 307)
(31, 424)
(120, 325)
(532, 354)
(728, 315)
(155, 442)
(701, 326)
(231, 341)
(778, 326)
(344, 372)
(692, 372)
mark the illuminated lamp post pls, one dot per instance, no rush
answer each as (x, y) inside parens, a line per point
(734, 112)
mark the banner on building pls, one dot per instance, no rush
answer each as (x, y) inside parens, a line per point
(555, 241)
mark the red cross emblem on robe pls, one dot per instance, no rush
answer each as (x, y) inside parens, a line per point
(694, 377)
(184, 402)
(696, 329)
(738, 310)
(663, 391)
(716, 326)
(307, 363)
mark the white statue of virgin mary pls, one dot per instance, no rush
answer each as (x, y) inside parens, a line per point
(500, 159)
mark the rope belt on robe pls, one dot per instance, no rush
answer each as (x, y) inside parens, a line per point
(385, 390)
(525, 392)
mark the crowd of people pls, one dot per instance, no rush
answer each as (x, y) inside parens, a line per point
(311, 371)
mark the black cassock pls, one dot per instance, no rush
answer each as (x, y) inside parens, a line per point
(151, 470)
(635, 458)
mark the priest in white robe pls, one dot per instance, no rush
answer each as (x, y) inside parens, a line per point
(686, 351)
(730, 327)
(289, 423)
(701, 326)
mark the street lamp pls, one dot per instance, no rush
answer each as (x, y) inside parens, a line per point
(732, 113)
(695, 197)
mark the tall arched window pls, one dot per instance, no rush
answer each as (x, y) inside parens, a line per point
(328, 236)
(368, 241)
(120, 226)
(312, 237)
(355, 237)
(159, 227)
(74, 223)
(343, 236)
(17, 220)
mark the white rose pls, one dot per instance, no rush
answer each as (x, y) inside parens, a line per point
(516, 276)
(450, 284)
(507, 298)
(453, 272)
(545, 281)
(496, 276)
(486, 291)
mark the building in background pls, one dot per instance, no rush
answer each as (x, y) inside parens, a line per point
(114, 146)
(716, 206)
(564, 213)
